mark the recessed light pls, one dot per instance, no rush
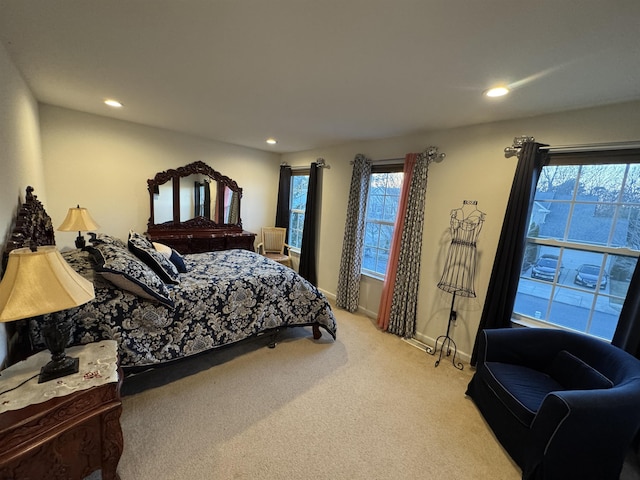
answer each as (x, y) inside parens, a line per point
(113, 103)
(271, 141)
(497, 92)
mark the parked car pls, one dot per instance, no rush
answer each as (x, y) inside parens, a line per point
(545, 267)
(587, 276)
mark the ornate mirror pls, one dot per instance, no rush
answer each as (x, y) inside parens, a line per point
(195, 195)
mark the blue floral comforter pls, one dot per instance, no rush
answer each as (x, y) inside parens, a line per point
(223, 298)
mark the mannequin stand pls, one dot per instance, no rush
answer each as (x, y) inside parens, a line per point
(446, 339)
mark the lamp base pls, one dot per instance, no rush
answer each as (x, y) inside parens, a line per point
(80, 241)
(59, 368)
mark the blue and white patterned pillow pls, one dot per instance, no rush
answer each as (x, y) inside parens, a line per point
(145, 251)
(97, 238)
(123, 269)
(172, 255)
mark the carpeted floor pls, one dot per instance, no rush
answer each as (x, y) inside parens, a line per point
(367, 406)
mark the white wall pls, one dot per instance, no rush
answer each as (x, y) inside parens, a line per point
(103, 164)
(20, 157)
(474, 169)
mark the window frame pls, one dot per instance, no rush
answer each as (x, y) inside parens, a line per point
(628, 157)
(387, 166)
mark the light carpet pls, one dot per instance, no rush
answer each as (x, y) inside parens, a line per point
(366, 406)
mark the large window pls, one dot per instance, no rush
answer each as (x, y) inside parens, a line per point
(297, 204)
(582, 246)
(385, 185)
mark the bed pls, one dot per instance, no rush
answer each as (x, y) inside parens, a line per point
(206, 301)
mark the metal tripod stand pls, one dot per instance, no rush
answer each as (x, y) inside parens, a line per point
(447, 340)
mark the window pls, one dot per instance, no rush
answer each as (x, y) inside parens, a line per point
(297, 204)
(583, 244)
(385, 185)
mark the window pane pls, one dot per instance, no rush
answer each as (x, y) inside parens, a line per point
(375, 207)
(386, 234)
(371, 234)
(589, 226)
(581, 284)
(556, 181)
(377, 183)
(369, 259)
(382, 208)
(627, 228)
(299, 184)
(297, 205)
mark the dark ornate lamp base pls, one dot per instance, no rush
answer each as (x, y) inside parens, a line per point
(58, 368)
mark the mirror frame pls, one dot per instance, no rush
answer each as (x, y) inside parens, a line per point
(174, 176)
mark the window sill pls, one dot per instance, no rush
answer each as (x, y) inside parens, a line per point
(531, 323)
(372, 275)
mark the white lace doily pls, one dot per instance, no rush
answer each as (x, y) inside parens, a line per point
(98, 365)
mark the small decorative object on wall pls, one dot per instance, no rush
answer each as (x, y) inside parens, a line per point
(459, 269)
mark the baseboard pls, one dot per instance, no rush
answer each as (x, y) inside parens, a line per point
(419, 340)
(423, 342)
(364, 311)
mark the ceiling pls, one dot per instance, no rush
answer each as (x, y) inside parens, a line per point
(315, 73)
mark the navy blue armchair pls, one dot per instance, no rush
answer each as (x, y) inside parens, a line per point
(563, 405)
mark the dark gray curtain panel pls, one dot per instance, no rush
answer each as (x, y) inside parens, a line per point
(505, 274)
(284, 192)
(307, 267)
(627, 334)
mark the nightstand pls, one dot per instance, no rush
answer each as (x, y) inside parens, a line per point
(65, 428)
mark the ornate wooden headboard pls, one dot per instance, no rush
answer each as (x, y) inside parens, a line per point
(33, 227)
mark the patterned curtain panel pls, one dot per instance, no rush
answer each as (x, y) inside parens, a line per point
(234, 212)
(402, 318)
(348, 293)
(386, 299)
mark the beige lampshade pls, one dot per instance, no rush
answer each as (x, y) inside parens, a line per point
(78, 220)
(40, 282)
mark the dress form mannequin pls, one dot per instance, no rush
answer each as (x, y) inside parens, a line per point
(460, 267)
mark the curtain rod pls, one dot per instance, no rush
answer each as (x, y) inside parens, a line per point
(319, 161)
(518, 142)
(593, 147)
(430, 152)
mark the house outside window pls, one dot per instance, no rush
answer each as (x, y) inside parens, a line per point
(583, 244)
(297, 204)
(385, 185)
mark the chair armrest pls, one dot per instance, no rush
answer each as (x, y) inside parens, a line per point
(287, 247)
(260, 245)
(604, 420)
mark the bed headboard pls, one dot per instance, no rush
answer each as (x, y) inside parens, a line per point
(33, 227)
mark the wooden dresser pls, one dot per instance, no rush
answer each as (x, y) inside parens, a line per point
(205, 240)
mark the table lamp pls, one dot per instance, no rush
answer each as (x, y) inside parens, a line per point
(78, 220)
(38, 281)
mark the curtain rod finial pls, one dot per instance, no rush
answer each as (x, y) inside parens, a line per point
(518, 142)
(321, 163)
(432, 154)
